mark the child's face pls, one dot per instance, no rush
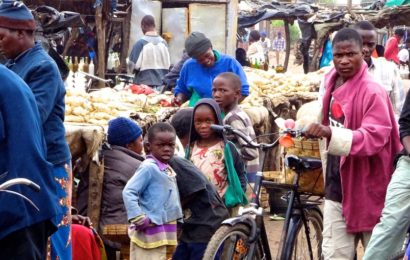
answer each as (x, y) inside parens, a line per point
(204, 117)
(163, 146)
(224, 93)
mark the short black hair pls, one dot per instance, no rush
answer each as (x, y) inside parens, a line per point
(380, 50)
(181, 121)
(233, 78)
(399, 32)
(159, 128)
(364, 25)
(348, 34)
(148, 21)
(240, 56)
(254, 35)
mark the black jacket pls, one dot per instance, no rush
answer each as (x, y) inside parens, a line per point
(404, 124)
(404, 121)
(200, 198)
(120, 165)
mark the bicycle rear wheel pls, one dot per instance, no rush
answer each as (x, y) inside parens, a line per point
(230, 243)
(297, 245)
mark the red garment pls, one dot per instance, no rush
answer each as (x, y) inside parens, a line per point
(366, 171)
(391, 50)
(84, 242)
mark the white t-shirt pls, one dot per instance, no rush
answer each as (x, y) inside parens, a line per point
(404, 55)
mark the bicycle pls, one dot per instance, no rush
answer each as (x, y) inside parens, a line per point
(17, 181)
(244, 236)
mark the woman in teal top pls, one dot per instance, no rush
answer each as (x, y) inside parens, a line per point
(198, 72)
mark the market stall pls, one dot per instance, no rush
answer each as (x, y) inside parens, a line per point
(282, 94)
(318, 22)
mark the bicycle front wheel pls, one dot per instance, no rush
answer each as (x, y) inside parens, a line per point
(297, 243)
(231, 242)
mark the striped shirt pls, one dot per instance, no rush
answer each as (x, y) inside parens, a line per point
(238, 119)
(279, 44)
(387, 74)
(155, 235)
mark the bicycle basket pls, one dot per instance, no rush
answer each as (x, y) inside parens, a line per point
(311, 182)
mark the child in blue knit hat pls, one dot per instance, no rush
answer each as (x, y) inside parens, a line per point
(122, 157)
(151, 199)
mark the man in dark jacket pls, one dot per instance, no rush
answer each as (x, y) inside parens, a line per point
(122, 157)
(23, 230)
(170, 79)
(29, 60)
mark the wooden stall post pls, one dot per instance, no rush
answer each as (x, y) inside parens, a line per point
(287, 35)
(73, 36)
(232, 24)
(101, 44)
(125, 41)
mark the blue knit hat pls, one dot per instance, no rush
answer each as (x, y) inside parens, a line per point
(122, 131)
(16, 15)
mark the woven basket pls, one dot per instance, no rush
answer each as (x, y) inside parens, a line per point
(117, 233)
(310, 181)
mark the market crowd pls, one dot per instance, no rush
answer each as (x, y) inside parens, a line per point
(173, 204)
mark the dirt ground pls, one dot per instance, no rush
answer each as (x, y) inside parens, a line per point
(292, 67)
(274, 230)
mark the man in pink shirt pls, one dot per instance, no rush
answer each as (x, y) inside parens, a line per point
(392, 46)
(362, 138)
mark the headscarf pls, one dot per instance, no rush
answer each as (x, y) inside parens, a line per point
(215, 108)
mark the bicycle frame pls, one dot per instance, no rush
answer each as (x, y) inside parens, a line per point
(252, 216)
(294, 214)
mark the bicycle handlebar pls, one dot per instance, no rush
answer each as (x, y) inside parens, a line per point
(23, 181)
(227, 129)
(17, 181)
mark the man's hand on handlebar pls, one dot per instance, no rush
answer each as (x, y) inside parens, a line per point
(318, 131)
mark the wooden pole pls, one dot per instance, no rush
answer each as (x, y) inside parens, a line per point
(125, 41)
(232, 9)
(101, 44)
(73, 36)
(349, 5)
(287, 35)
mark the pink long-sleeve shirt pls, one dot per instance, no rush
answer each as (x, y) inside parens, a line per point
(391, 51)
(367, 146)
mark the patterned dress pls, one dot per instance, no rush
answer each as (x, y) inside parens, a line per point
(210, 160)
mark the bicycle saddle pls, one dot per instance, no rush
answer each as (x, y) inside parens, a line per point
(302, 163)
